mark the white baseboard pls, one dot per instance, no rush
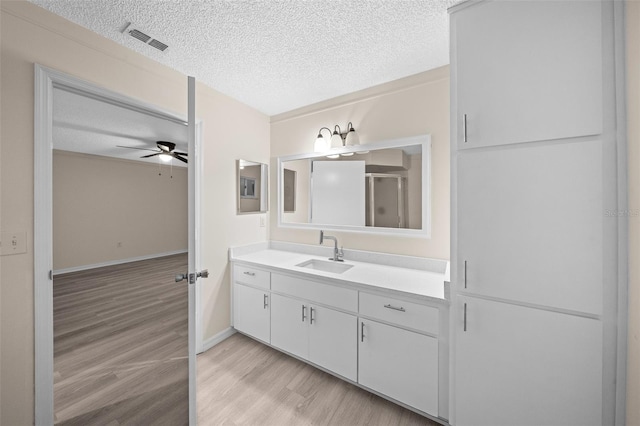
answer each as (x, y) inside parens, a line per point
(212, 341)
(115, 262)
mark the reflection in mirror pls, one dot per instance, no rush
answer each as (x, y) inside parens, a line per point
(385, 188)
(251, 186)
(289, 191)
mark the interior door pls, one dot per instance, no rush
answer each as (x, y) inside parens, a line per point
(194, 259)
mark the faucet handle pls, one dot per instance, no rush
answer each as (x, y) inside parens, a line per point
(341, 253)
(321, 236)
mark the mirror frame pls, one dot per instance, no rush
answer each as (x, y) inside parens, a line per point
(425, 232)
(264, 175)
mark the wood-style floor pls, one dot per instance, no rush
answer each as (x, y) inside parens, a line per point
(120, 345)
(120, 359)
(243, 382)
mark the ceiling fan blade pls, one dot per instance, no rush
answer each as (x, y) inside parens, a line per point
(133, 147)
(180, 153)
(152, 155)
(177, 157)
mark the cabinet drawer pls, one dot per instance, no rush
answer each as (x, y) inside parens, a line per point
(252, 276)
(400, 312)
(338, 297)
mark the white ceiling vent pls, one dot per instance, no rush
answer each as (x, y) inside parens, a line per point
(136, 33)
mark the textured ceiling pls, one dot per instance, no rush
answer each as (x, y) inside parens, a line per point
(278, 55)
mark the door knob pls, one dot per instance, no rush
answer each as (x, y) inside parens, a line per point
(180, 277)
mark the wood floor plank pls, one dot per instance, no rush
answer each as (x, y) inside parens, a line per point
(120, 345)
(243, 382)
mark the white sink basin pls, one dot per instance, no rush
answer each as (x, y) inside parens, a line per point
(325, 266)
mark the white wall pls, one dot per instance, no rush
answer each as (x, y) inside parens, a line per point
(231, 131)
(412, 106)
(106, 209)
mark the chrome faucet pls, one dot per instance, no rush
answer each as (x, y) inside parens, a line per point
(337, 254)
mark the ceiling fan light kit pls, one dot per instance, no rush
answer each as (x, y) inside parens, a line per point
(166, 151)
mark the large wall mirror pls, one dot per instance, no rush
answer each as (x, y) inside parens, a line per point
(381, 187)
(252, 186)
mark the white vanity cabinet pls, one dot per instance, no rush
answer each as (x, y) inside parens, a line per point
(320, 334)
(251, 302)
(395, 346)
(396, 361)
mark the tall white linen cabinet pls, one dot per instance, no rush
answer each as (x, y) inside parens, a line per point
(538, 193)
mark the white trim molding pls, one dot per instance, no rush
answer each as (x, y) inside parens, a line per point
(116, 262)
(218, 338)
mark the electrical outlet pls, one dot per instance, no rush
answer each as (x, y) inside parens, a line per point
(262, 221)
(13, 243)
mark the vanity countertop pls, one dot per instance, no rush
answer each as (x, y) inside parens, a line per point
(425, 284)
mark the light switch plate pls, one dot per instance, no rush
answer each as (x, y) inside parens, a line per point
(13, 243)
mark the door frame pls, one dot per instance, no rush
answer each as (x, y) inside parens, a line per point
(45, 79)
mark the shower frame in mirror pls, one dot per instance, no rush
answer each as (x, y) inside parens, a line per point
(425, 232)
(260, 194)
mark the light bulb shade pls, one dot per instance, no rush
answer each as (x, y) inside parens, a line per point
(336, 140)
(320, 145)
(165, 157)
(352, 138)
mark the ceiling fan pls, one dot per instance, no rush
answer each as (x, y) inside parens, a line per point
(166, 149)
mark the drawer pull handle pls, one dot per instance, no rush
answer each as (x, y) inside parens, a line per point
(361, 331)
(465, 274)
(311, 316)
(401, 309)
(304, 313)
(266, 303)
(251, 274)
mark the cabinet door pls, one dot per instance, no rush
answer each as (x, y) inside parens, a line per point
(400, 364)
(530, 224)
(522, 366)
(251, 312)
(289, 325)
(333, 341)
(527, 71)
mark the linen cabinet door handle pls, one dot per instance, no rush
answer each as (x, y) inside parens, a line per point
(311, 315)
(465, 274)
(464, 325)
(266, 301)
(361, 331)
(464, 128)
(304, 313)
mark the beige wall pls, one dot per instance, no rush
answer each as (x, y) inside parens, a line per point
(412, 106)
(633, 120)
(231, 131)
(106, 209)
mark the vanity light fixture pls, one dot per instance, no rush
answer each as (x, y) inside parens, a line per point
(339, 139)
